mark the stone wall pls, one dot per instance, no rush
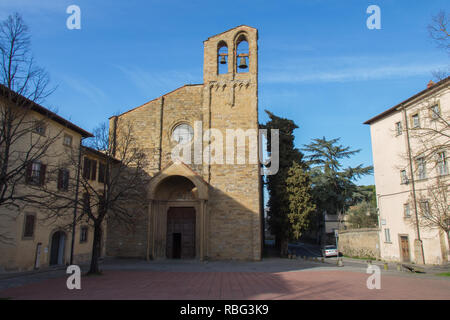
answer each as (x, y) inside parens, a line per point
(363, 243)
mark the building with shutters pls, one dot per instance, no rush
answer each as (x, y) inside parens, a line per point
(29, 239)
(411, 148)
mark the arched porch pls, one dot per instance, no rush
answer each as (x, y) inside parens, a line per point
(177, 214)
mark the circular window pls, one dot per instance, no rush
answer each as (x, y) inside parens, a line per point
(183, 133)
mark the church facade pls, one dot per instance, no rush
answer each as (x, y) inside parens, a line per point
(199, 209)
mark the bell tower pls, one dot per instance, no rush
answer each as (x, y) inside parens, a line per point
(227, 54)
(230, 102)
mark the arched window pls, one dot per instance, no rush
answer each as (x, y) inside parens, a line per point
(222, 58)
(242, 54)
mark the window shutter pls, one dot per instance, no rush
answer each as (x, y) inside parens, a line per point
(66, 179)
(87, 168)
(28, 172)
(42, 174)
(60, 179)
(101, 172)
(94, 170)
(29, 226)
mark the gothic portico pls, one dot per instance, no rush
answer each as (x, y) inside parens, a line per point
(177, 214)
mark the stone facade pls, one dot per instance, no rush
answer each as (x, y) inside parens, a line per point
(226, 197)
(363, 243)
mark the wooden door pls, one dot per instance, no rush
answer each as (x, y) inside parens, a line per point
(404, 247)
(55, 248)
(180, 241)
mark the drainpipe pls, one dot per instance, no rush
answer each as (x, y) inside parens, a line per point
(76, 202)
(413, 184)
(114, 136)
(161, 132)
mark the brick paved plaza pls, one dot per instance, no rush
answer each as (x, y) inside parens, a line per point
(283, 279)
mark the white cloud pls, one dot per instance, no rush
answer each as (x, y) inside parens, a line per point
(87, 89)
(148, 82)
(9, 6)
(347, 68)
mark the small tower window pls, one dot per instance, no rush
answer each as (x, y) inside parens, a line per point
(242, 54)
(222, 58)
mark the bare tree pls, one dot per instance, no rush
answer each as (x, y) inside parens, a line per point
(434, 208)
(429, 140)
(439, 33)
(124, 196)
(118, 193)
(23, 85)
(432, 133)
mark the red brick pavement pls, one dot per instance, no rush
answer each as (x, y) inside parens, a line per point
(234, 285)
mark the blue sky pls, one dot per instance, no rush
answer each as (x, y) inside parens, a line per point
(318, 62)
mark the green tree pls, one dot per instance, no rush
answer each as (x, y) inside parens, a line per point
(333, 185)
(298, 189)
(362, 215)
(278, 203)
(365, 193)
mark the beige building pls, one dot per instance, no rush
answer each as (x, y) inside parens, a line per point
(31, 238)
(199, 209)
(410, 148)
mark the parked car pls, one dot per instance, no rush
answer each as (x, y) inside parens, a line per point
(329, 251)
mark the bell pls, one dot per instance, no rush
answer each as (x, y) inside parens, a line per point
(223, 60)
(243, 63)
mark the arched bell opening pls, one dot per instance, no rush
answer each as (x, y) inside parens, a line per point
(242, 54)
(222, 58)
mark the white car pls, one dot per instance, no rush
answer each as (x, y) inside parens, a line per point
(329, 251)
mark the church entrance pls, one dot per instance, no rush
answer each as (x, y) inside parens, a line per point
(180, 240)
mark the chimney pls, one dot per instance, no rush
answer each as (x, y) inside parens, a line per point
(430, 84)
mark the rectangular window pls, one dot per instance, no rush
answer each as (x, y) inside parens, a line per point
(442, 164)
(435, 112)
(29, 226)
(63, 179)
(84, 234)
(89, 169)
(36, 173)
(421, 168)
(387, 235)
(406, 210)
(67, 140)
(415, 121)
(403, 177)
(101, 172)
(39, 128)
(425, 208)
(398, 128)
